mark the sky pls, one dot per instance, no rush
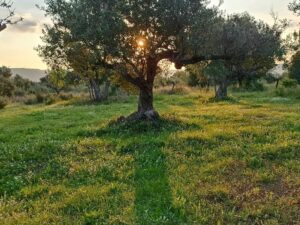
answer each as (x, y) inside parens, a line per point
(18, 43)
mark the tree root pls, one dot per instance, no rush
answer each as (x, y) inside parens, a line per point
(150, 115)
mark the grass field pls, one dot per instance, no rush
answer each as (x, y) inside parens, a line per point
(205, 162)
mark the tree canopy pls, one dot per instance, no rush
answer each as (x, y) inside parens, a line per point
(295, 6)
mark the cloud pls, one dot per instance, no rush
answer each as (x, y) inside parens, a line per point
(27, 25)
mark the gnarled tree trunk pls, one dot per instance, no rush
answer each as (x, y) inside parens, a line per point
(146, 109)
(221, 91)
(105, 92)
(277, 83)
(145, 104)
(95, 91)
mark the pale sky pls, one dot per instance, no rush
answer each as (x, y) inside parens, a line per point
(17, 43)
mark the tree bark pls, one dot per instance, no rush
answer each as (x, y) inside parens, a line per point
(277, 83)
(240, 82)
(221, 92)
(97, 91)
(146, 110)
(90, 91)
(105, 93)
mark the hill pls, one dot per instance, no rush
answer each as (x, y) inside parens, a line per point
(31, 74)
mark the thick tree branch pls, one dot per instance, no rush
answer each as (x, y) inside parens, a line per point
(197, 59)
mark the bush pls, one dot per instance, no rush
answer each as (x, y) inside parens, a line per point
(3, 103)
(19, 92)
(178, 90)
(193, 80)
(40, 98)
(288, 92)
(255, 86)
(50, 100)
(65, 97)
(280, 92)
(289, 83)
(30, 100)
(34, 99)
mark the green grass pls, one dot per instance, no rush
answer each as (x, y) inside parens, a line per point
(205, 162)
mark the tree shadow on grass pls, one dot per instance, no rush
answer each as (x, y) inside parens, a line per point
(146, 142)
(128, 129)
(153, 195)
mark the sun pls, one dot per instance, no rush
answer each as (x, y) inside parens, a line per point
(141, 43)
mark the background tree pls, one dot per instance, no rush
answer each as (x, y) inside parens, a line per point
(60, 50)
(276, 74)
(252, 48)
(294, 68)
(22, 83)
(197, 77)
(221, 76)
(6, 86)
(56, 80)
(10, 18)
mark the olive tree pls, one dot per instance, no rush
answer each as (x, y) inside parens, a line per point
(56, 80)
(132, 37)
(252, 47)
(62, 52)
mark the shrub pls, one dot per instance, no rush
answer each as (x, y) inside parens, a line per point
(50, 100)
(3, 103)
(289, 83)
(280, 92)
(40, 98)
(288, 92)
(255, 86)
(30, 100)
(193, 80)
(19, 92)
(177, 90)
(65, 97)
(35, 99)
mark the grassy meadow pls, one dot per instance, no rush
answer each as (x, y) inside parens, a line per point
(204, 162)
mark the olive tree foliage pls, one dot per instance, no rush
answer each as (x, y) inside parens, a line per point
(197, 77)
(61, 52)
(9, 18)
(295, 6)
(56, 80)
(132, 37)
